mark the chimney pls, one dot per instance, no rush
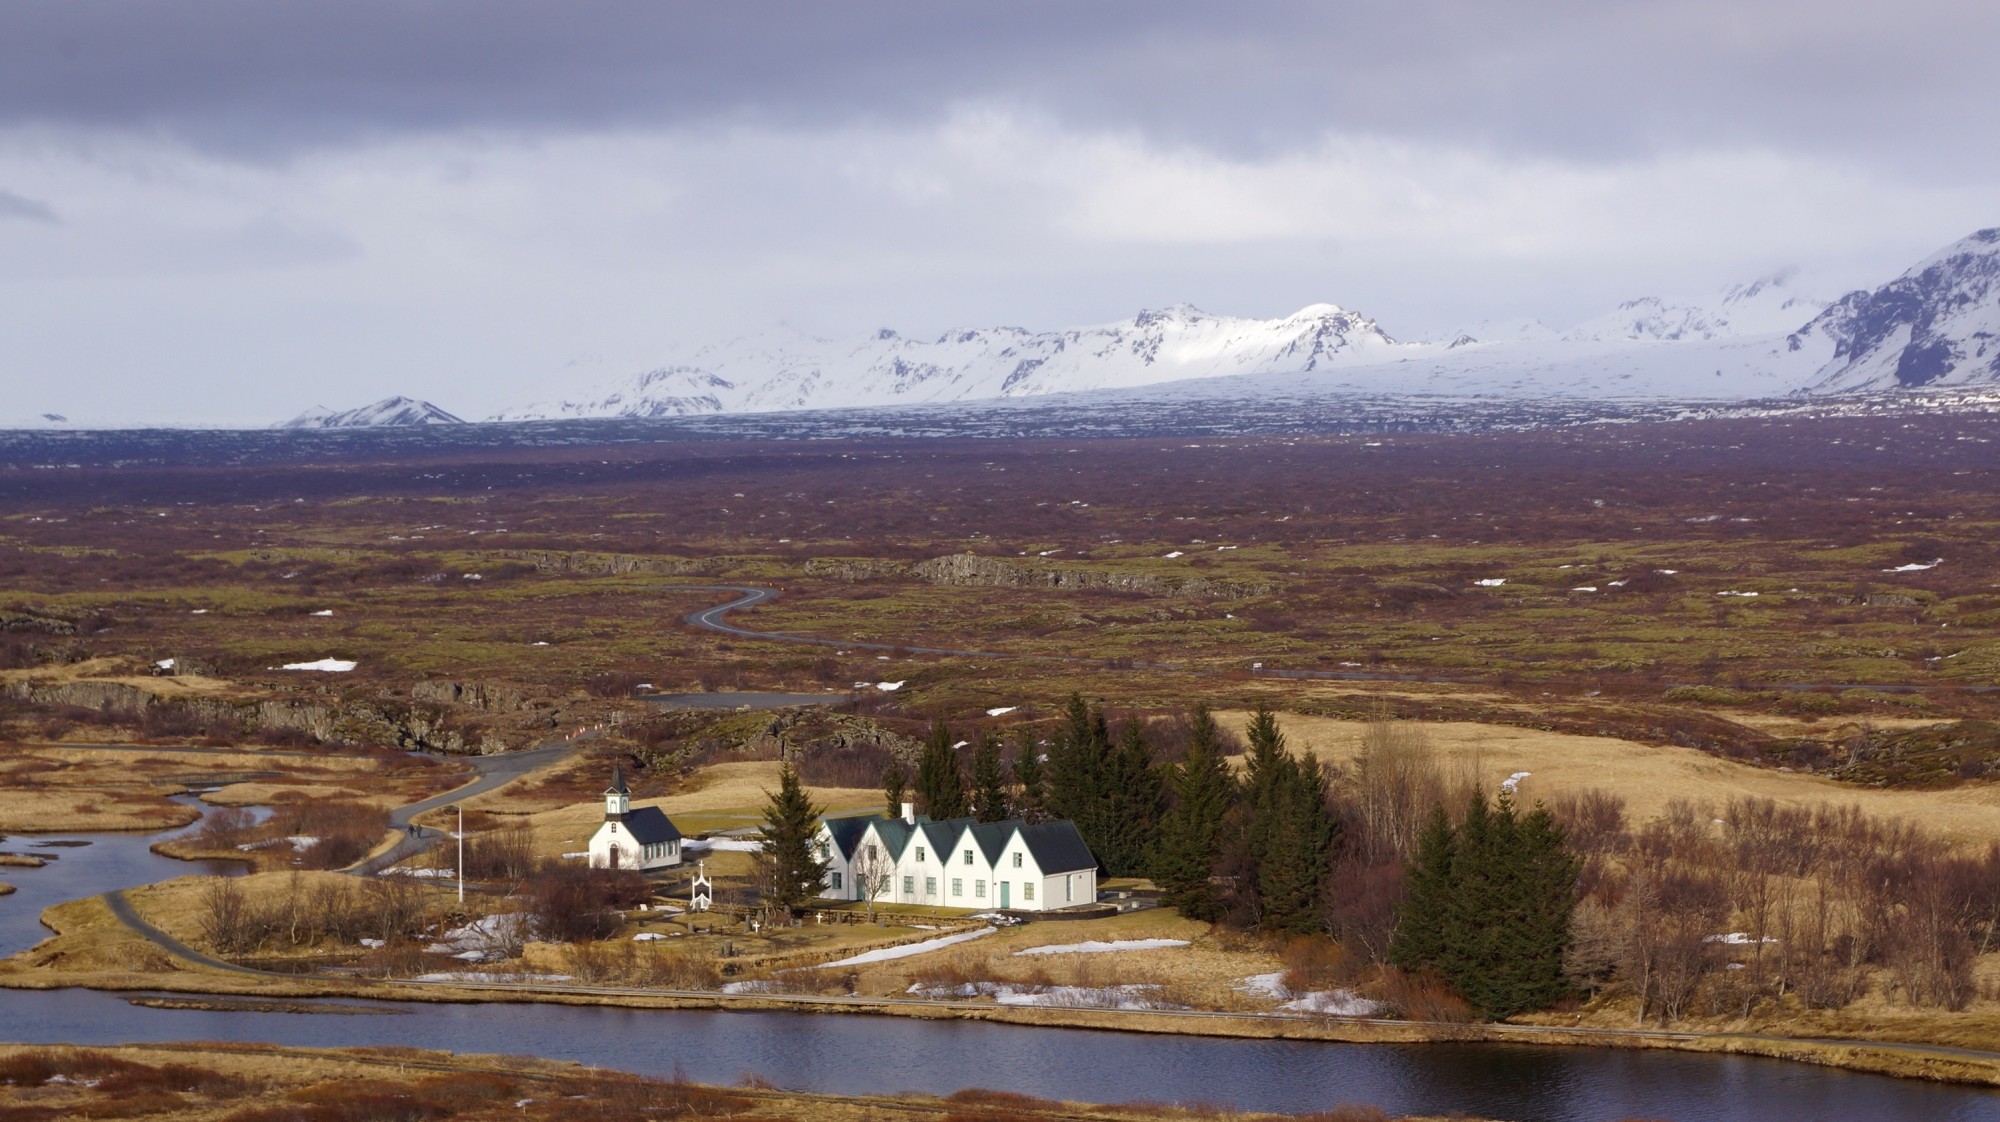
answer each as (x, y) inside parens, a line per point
(910, 813)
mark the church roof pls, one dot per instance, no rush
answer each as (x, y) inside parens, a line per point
(617, 781)
(649, 825)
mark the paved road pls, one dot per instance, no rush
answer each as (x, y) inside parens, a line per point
(492, 772)
(747, 596)
(122, 909)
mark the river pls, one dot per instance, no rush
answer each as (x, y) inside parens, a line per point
(851, 1054)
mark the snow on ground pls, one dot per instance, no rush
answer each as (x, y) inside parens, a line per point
(165, 664)
(410, 871)
(906, 950)
(1095, 946)
(746, 987)
(1915, 567)
(483, 937)
(889, 687)
(330, 665)
(1001, 711)
(1333, 1003)
(1736, 939)
(1584, 588)
(723, 845)
(1135, 997)
(581, 853)
(647, 937)
(1512, 783)
(1491, 582)
(372, 943)
(324, 612)
(1733, 592)
(1171, 556)
(490, 976)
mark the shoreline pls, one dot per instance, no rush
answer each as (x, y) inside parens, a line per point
(1935, 1063)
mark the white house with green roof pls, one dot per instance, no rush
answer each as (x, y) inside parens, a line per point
(957, 863)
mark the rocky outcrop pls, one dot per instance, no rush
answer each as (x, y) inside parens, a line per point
(614, 564)
(485, 697)
(38, 624)
(83, 694)
(972, 570)
(856, 568)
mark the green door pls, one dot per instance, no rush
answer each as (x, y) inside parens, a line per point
(1004, 886)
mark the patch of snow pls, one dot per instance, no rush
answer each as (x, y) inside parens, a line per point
(1001, 711)
(1733, 592)
(1171, 556)
(491, 976)
(746, 987)
(410, 871)
(577, 854)
(165, 664)
(1333, 1003)
(1736, 939)
(906, 950)
(647, 937)
(1095, 946)
(374, 943)
(327, 665)
(199, 612)
(1512, 783)
(1666, 572)
(1915, 567)
(1584, 588)
(1491, 582)
(323, 612)
(1270, 985)
(302, 842)
(889, 687)
(723, 845)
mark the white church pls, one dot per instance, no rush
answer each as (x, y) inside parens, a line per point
(644, 839)
(958, 863)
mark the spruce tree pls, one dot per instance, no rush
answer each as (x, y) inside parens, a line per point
(1191, 833)
(1030, 784)
(1428, 888)
(989, 782)
(1076, 772)
(896, 786)
(1298, 850)
(793, 870)
(940, 781)
(1129, 815)
(1265, 773)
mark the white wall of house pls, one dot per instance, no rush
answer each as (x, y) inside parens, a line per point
(631, 853)
(924, 876)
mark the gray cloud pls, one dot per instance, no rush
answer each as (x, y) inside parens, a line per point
(1575, 77)
(26, 209)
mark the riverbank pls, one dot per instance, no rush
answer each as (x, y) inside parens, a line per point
(106, 961)
(194, 1081)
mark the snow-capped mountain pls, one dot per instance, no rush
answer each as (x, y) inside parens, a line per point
(1768, 305)
(791, 371)
(390, 411)
(1936, 325)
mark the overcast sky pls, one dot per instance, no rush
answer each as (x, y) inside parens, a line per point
(233, 210)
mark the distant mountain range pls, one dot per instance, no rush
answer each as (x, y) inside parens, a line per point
(388, 412)
(1937, 325)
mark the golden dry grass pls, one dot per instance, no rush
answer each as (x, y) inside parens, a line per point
(1649, 776)
(720, 796)
(88, 810)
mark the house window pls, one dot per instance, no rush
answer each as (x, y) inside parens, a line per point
(930, 886)
(825, 851)
(968, 857)
(957, 887)
(871, 851)
(910, 885)
(1017, 860)
(1027, 890)
(920, 853)
(979, 889)
(836, 880)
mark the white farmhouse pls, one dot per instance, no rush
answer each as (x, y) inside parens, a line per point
(958, 863)
(644, 839)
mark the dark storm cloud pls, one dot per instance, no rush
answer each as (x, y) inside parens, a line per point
(26, 209)
(1572, 77)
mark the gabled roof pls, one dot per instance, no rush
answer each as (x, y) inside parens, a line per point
(992, 837)
(617, 781)
(650, 824)
(846, 832)
(1057, 847)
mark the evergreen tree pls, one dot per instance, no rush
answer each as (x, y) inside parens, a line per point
(1418, 943)
(896, 786)
(1298, 850)
(1191, 833)
(989, 781)
(1076, 771)
(1030, 785)
(793, 869)
(1488, 907)
(1267, 771)
(940, 781)
(1129, 814)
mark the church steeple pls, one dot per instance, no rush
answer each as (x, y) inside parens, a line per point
(617, 797)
